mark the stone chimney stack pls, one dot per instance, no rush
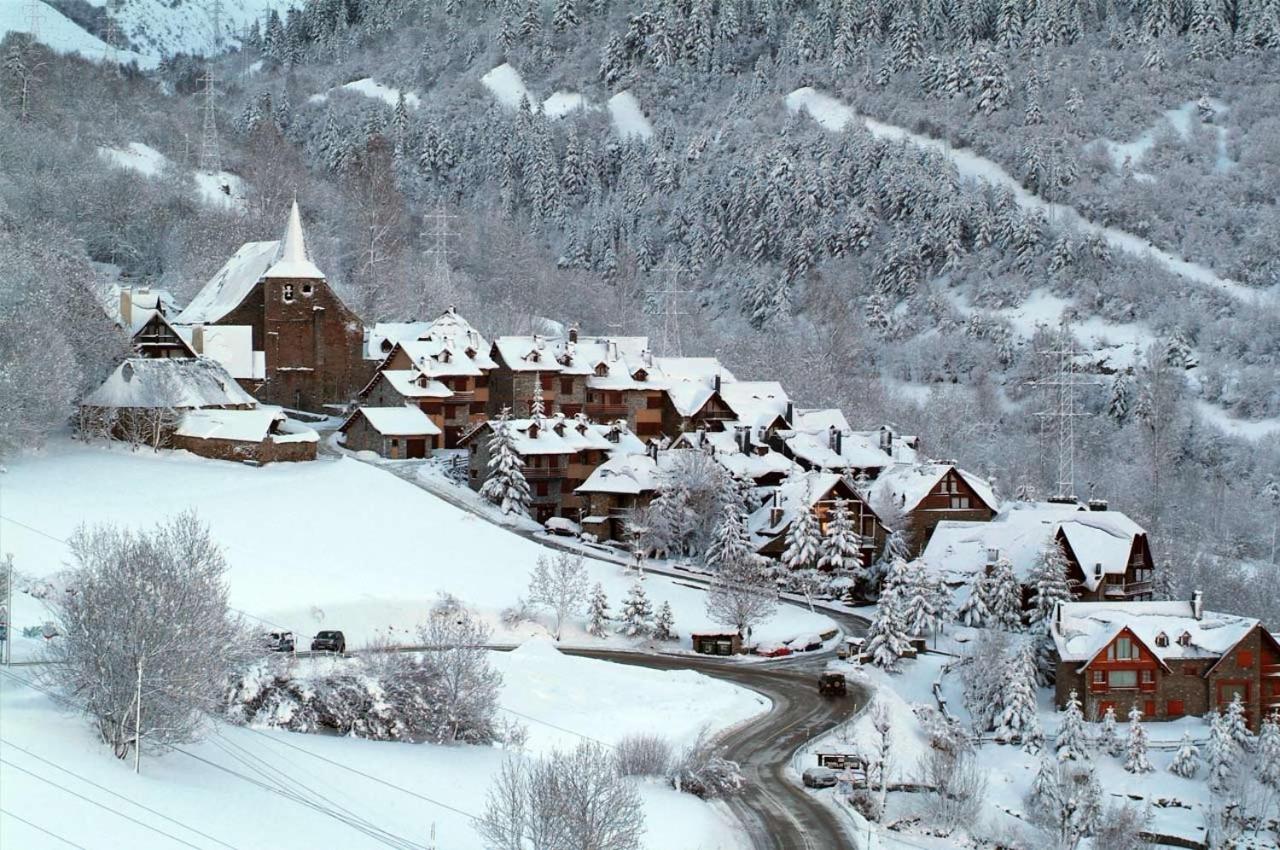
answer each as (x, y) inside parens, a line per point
(1197, 604)
(126, 306)
(573, 333)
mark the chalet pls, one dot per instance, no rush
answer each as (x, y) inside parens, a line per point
(743, 451)
(1108, 555)
(444, 370)
(310, 344)
(261, 435)
(153, 335)
(762, 406)
(816, 492)
(558, 454)
(623, 384)
(396, 432)
(615, 490)
(917, 496)
(692, 394)
(145, 384)
(1170, 659)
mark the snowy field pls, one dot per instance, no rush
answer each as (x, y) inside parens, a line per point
(330, 544)
(411, 790)
(222, 189)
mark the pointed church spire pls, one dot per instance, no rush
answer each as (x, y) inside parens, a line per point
(292, 260)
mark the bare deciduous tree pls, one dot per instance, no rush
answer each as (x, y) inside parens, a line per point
(643, 755)
(465, 685)
(742, 594)
(567, 801)
(146, 638)
(960, 788)
(560, 584)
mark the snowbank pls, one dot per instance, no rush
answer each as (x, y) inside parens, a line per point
(508, 87)
(628, 118)
(370, 87)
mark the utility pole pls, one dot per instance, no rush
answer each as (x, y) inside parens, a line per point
(210, 155)
(7, 619)
(671, 341)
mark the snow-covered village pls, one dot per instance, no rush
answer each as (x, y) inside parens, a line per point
(665, 425)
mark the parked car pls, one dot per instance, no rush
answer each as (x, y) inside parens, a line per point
(329, 641)
(819, 777)
(773, 650)
(805, 643)
(280, 641)
(562, 527)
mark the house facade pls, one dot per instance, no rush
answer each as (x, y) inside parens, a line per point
(310, 343)
(1170, 659)
(396, 432)
(918, 496)
(818, 493)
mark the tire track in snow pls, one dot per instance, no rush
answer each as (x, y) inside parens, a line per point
(835, 115)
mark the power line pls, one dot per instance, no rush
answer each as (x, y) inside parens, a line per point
(40, 828)
(106, 790)
(102, 806)
(210, 154)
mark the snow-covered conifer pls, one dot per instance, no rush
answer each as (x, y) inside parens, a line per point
(505, 485)
(804, 541)
(566, 15)
(1237, 726)
(1108, 735)
(973, 611)
(1268, 760)
(636, 618)
(1004, 596)
(730, 542)
(598, 617)
(840, 548)
(1186, 762)
(1222, 753)
(921, 600)
(1018, 722)
(665, 624)
(1135, 745)
(1049, 583)
(1071, 742)
(887, 636)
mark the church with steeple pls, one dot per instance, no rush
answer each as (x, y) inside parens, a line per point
(302, 347)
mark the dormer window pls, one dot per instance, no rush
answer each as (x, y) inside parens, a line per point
(286, 292)
(446, 356)
(601, 370)
(1162, 639)
(640, 375)
(533, 431)
(1184, 639)
(387, 346)
(307, 289)
(471, 352)
(422, 381)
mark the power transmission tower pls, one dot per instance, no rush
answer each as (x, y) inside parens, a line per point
(671, 339)
(210, 155)
(439, 229)
(215, 21)
(111, 55)
(1058, 414)
(33, 11)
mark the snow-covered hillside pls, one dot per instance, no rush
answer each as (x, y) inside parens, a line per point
(331, 544)
(63, 34)
(222, 189)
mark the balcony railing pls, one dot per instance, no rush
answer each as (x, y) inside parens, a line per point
(1271, 670)
(1127, 591)
(461, 396)
(532, 473)
(601, 409)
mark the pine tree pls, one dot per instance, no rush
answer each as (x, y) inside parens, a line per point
(1018, 722)
(1222, 754)
(1236, 725)
(1108, 736)
(804, 541)
(598, 616)
(841, 548)
(973, 612)
(664, 626)
(1121, 397)
(1071, 742)
(505, 485)
(1186, 762)
(1135, 746)
(637, 613)
(921, 608)
(1004, 596)
(1269, 752)
(730, 542)
(537, 406)
(1050, 584)
(566, 16)
(887, 638)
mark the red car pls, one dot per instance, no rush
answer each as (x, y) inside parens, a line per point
(773, 651)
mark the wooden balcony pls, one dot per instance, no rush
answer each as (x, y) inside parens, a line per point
(600, 410)
(539, 473)
(1271, 671)
(1126, 591)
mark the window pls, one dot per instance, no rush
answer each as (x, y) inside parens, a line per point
(654, 401)
(307, 289)
(1190, 670)
(1162, 639)
(1245, 658)
(566, 386)
(1184, 639)
(287, 293)
(540, 488)
(1148, 677)
(959, 502)
(1148, 709)
(1123, 650)
(1122, 679)
(547, 380)
(1099, 677)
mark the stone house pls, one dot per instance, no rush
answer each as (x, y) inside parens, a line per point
(692, 396)
(1170, 659)
(397, 432)
(310, 345)
(915, 497)
(616, 489)
(262, 435)
(816, 492)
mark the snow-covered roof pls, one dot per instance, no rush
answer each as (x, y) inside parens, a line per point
(856, 450)
(758, 462)
(554, 435)
(411, 383)
(293, 261)
(140, 298)
(811, 420)
(625, 474)
(406, 421)
(180, 383)
(382, 337)
(1023, 531)
(905, 485)
(1083, 629)
(244, 426)
(756, 403)
(703, 369)
(226, 289)
(689, 396)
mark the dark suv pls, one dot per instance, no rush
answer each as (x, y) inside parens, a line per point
(329, 641)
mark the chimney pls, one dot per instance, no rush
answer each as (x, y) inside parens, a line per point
(126, 306)
(573, 333)
(886, 441)
(1097, 572)
(744, 438)
(653, 451)
(1197, 604)
(831, 438)
(715, 384)
(613, 350)
(993, 555)
(839, 442)
(1097, 504)
(197, 339)
(775, 512)
(791, 412)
